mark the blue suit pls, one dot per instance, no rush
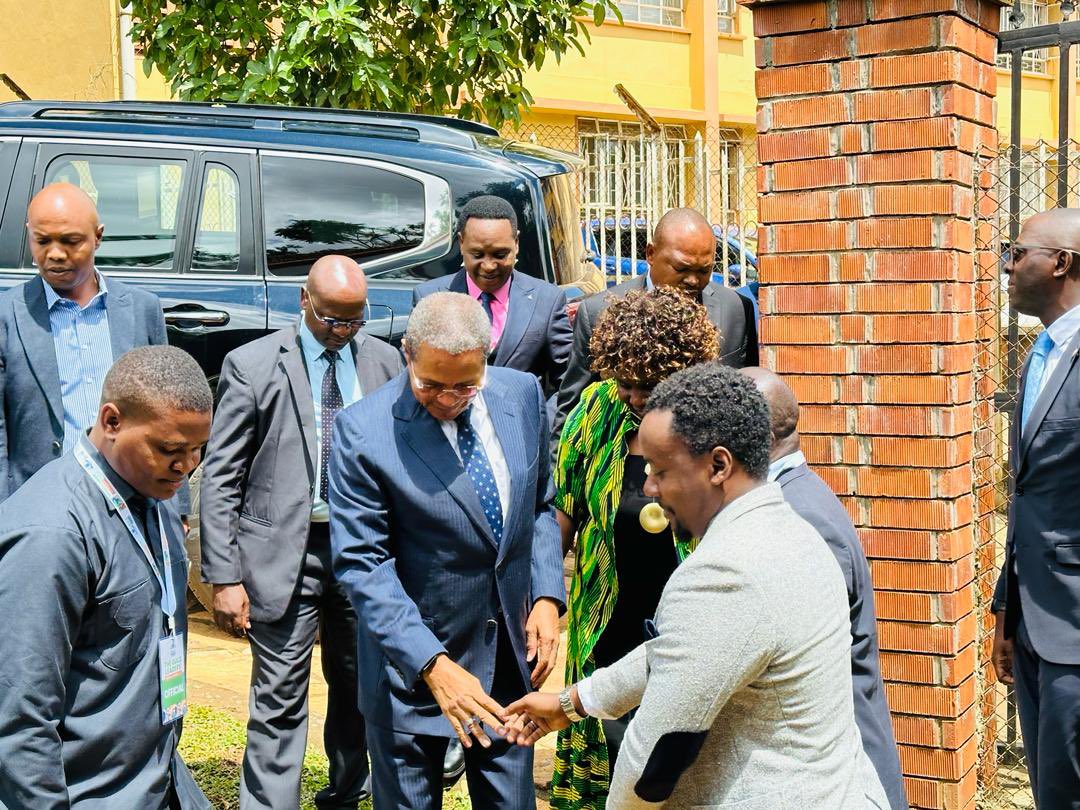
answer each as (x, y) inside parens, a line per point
(537, 334)
(32, 417)
(418, 560)
(1039, 585)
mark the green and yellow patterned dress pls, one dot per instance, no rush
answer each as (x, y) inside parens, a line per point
(588, 483)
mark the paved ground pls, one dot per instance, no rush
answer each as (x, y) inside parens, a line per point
(219, 669)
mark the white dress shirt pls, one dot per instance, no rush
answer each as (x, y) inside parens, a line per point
(480, 419)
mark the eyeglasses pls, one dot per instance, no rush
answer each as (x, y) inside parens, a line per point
(456, 394)
(1016, 252)
(351, 324)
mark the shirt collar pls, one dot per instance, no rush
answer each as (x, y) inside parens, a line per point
(502, 295)
(1062, 330)
(127, 492)
(310, 345)
(785, 463)
(51, 297)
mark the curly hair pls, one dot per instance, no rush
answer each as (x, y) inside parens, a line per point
(645, 337)
(715, 406)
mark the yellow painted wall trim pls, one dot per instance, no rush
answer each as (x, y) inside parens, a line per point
(732, 37)
(613, 26)
(594, 109)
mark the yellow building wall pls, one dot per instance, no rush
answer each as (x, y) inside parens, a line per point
(60, 50)
(735, 66)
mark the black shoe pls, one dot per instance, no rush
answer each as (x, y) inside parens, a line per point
(453, 764)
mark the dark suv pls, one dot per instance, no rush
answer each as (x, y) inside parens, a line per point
(221, 209)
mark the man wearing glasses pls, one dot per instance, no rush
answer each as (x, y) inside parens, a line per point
(1037, 600)
(445, 540)
(265, 531)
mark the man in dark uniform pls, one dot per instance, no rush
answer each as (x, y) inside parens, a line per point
(92, 580)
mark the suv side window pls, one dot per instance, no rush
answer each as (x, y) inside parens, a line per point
(217, 240)
(138, 201)
(314, 207)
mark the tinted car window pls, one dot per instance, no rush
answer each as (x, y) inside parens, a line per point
(137, 200)
(314, 207)
(217, 242)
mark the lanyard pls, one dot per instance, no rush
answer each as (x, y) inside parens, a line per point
(116, 500)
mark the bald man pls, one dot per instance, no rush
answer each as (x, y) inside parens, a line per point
(59, 335)
(265, 536)
(1037, 600)
(681, 254)
(815, 503)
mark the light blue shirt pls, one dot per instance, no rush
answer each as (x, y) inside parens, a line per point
(785, 463)
(349, 384)
(1061, 332)
(83, 356)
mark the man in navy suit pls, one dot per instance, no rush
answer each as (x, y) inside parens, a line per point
(59, 335)
(444, 537)
(530, 329)
(1037, 599)
(815, 503)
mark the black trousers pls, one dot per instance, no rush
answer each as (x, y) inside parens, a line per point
(1048, 698)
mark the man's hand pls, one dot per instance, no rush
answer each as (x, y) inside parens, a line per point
(464, 702)
(231, 608)
(542, 639)
(1002, 655)
(533, 716)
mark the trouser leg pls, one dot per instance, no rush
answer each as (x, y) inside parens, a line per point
(343, 732)
(406, 769)
(278, 708)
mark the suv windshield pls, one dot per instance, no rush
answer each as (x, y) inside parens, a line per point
(569, 256)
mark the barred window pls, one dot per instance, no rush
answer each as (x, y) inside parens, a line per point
(726, 11)
(1033, 61)
(657, 12)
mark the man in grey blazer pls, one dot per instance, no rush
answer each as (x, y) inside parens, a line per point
(681, 254)
(265, 535)
(59, 335)
(1037, 599)
(445, 540)
(530, 329)
(743, 694)
(815, 503)
(92, 581)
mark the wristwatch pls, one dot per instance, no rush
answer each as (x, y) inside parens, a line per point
(566, 703)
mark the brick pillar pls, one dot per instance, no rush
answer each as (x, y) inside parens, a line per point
(869, 115)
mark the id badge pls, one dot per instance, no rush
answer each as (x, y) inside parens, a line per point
(172, 678)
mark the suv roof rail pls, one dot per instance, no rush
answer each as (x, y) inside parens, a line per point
(409, 126)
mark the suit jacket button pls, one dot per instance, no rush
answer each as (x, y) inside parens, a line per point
(1019, 490)
(56, 446)
(492, 624)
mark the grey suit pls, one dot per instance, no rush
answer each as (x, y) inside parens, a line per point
(80, 723)
(536, 337)
(32, 417)
(744, 694)
(732, 314)
(815, 503)
(1039, 585)
(256, 499)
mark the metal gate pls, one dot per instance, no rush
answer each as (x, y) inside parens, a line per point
(1011, 185)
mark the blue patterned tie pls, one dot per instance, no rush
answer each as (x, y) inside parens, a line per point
(1036, 368)
(331, 404)
(485, 301)
(478, 468)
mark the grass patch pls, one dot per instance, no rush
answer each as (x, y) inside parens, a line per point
(213, 748)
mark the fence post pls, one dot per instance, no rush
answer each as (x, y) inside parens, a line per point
(869, 115)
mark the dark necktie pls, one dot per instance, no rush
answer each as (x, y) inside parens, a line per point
(478, 468)
(485, 301)
(331, 404)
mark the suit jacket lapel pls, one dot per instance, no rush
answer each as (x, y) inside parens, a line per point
(365, 369)
(32, 322)
(458, 283)
(522, 304)
(424, 435)
(121, 321)
(711, 301)
(508, 432)
(292, 363)
(1047, 395)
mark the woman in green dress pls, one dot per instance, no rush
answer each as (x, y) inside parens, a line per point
(625, 548)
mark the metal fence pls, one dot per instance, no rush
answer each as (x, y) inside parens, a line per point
(635, 173)
(1005, 338)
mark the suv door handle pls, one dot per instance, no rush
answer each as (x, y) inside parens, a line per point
(181, 318)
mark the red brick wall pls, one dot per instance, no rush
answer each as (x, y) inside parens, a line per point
(870, 113)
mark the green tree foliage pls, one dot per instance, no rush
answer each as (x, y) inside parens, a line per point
(430, 56)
